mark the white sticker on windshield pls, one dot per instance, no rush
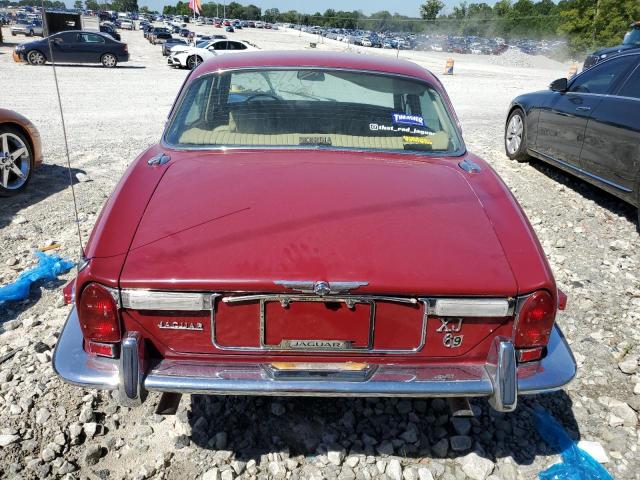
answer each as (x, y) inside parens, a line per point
(376, 127)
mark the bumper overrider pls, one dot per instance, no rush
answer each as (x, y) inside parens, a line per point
(501, 379)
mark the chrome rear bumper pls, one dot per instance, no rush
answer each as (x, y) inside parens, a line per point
(500, 379)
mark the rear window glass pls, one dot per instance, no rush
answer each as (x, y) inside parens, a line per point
(313, 108)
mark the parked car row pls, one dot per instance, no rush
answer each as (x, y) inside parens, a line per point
(193, 48)
(429, 42)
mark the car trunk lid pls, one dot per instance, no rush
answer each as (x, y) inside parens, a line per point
(243, 220)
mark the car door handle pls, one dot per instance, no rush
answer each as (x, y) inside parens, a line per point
(583, 109)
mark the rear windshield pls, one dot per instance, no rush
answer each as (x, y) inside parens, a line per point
(312, 108)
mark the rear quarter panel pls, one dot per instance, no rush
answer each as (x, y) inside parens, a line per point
(518, 239)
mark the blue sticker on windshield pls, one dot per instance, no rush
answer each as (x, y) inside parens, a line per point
(408, 119)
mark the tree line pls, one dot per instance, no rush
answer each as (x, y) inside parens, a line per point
(586, 24)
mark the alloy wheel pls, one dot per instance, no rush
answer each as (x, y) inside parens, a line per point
(109, 60)
(35, 58)
(513, 136)
(15, 161)
(193, 62)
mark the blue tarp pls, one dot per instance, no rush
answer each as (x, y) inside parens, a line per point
(576, 463)
(48, 268)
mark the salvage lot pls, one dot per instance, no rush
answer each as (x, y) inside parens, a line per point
(112, 115)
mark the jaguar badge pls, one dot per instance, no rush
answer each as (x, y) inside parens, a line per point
(196, 326)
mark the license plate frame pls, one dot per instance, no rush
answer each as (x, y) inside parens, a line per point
(315, 345)
(347, 299)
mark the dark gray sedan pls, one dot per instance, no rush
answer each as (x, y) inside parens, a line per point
(74, 47)
(588, 126)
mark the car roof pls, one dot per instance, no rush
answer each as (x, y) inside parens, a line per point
(330, 60)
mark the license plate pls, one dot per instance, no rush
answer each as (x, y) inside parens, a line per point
(317, 325)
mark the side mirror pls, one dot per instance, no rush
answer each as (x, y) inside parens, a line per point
(560, 85)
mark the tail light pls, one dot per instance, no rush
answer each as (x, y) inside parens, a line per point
(126, 48)
(534, 324)
(98, 314)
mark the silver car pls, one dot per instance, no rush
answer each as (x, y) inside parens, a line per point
(28, 28)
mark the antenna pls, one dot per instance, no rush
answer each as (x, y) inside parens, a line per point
(64, 130)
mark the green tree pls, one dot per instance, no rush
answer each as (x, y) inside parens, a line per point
(251, 12)
(271, 15)
(290, 16)
(430, 9)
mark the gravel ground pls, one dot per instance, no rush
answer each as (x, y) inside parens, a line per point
(50, 429)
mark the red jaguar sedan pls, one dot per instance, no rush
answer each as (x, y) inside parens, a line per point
(313, 224)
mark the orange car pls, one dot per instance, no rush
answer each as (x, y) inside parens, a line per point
(20, 152)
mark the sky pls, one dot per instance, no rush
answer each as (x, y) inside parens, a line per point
(403, 7)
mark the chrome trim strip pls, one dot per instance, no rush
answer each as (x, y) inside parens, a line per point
(140, 299)
(470, 307)
(75, 366)
(321, 374)
(280, 297)
(583, 172)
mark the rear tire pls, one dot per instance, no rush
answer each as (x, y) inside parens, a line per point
(109, 60)
(515, 138)
(12, 141)
(35, 57)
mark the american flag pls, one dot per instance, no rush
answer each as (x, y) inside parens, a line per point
(195, 6)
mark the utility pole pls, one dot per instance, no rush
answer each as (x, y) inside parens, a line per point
(595, 21)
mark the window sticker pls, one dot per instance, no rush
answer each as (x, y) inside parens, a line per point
(376, 127)
(408, 119)
(417, 140)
